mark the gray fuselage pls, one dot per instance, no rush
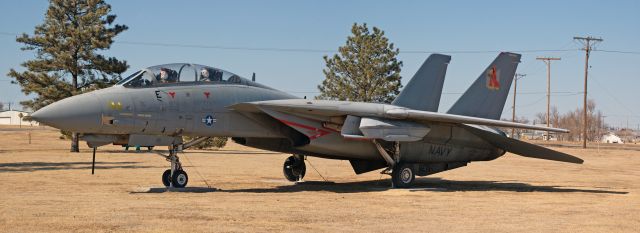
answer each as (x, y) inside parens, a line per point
(202, 110)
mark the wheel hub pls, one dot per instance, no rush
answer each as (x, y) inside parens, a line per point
(181, 179)
(405, 175)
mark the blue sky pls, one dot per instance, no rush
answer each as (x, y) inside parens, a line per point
(439, 26)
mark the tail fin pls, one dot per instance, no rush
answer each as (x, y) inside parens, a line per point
(487, 95)
(424, 90)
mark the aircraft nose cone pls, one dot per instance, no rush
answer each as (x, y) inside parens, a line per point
(79, 113)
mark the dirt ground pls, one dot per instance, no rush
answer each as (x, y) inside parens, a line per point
(237, 189)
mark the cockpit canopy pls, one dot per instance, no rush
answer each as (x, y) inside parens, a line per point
(183, 74)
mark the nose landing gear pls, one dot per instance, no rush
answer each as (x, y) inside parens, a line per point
(175, 177)
(294, 168)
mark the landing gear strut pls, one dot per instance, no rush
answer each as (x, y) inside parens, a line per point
(294, 168)
(174, 177)
(402, 174)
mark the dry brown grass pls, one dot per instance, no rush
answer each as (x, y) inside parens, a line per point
(46, 188)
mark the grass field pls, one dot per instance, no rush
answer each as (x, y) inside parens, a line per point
(47, 189)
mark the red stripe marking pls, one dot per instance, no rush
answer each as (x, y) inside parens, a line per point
(316, 132)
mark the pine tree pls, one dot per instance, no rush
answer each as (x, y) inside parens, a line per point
(366, 69)
(67, 60)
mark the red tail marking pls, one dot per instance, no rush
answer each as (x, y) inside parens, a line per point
(493, 80)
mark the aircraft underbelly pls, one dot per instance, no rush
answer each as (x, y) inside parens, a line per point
(337, 146)
(449, 143)
(424, 152)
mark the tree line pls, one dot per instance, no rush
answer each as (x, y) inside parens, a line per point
(571, 120)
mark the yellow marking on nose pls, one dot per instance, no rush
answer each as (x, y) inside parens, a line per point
(115, 106)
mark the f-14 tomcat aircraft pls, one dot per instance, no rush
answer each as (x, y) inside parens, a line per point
(158, 105)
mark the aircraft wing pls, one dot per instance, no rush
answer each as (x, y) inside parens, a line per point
(451, 118)
(324, 110)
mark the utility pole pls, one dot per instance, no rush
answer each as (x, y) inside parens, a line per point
(513, 108)
(588, 42)
(547, 60)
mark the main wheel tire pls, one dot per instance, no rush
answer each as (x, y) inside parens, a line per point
(180, 179)
(166, 178)
(294, 169)
(403, 175)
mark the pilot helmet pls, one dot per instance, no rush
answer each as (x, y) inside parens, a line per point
(164, 74)
(204, 73)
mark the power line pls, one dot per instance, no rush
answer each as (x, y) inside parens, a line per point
(616, 51)
(271, 49)
(489, 51)
(529, 68)
(305, 50)
(606, 90)
(532, 103)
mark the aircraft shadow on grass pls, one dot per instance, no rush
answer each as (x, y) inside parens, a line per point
(421, 185)
(180, 190)
(213, 152)
(48, 166)
(241, 152)
(424, 185)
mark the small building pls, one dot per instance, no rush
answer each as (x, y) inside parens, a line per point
(540, 134)
(13, 117)
(628, 135)
(611, 138)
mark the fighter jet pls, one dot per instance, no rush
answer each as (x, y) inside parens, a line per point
(158, 105)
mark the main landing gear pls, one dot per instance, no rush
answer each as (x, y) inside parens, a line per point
(175, 177)
(294, 168)
(402, 175)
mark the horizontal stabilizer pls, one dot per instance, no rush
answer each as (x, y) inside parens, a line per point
(522, 148)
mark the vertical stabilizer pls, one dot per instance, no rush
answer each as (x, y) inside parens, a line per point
(487, 95)
(424, 89)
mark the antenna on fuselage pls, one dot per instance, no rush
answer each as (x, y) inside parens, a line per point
(253, 77)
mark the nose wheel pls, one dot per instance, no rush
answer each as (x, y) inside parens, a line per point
(175, 177)
(178, 180)
(294, 168)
